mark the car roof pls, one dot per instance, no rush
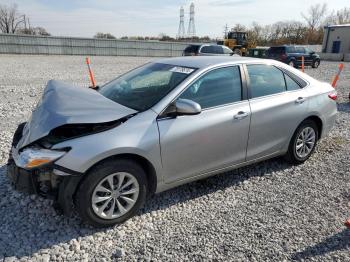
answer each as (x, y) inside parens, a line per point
(205, 61)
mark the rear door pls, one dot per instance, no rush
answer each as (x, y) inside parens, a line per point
(215, 138)
(278, 104)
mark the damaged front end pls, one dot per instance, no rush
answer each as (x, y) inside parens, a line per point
(32, 169)
(65, 112)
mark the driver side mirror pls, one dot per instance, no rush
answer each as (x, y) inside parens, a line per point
(182, 107)
(187, 107)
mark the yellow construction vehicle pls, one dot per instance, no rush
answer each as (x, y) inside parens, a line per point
(237, 42)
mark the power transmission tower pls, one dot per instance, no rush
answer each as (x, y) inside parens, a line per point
(181, 31)
(191, 32)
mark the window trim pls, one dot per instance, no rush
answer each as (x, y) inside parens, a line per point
(244, 91)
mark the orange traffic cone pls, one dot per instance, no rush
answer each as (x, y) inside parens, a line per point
(347, 223)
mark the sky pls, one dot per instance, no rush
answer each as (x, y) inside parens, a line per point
(84, 18)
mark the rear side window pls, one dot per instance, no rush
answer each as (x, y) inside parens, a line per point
(192, 49)
(218, 49)
(290, 49)
(277, 50)
(265, 80)
(217, 87)
(300, 49)
(208, 49)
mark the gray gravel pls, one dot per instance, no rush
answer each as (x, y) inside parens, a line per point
(268, 211)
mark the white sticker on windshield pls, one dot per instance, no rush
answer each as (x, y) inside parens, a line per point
(183, 70)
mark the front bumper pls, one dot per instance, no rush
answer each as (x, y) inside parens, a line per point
(50, 181)
(23, 180)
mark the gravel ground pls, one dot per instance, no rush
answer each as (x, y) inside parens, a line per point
(270, 211)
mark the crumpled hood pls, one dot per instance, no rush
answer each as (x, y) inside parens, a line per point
(63, 104)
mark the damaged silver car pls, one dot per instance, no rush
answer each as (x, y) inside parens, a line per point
(161, 125)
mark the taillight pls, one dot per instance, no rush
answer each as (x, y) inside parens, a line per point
(333, 95)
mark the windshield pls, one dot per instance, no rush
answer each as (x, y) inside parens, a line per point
(143, 87)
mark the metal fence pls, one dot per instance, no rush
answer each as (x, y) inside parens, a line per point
(25, 44)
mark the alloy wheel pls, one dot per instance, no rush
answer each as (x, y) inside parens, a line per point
(115, 195)
(305, 142)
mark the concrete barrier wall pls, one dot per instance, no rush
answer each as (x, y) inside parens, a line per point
(25, 44)
(347, 57)
(332, 57)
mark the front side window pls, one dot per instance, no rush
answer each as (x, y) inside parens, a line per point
(217, 87)
(143, 87)
(265, 80)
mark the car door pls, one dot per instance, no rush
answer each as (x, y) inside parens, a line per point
(213, 139)
(278, 105)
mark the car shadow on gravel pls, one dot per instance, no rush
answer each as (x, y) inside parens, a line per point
(238, 178)
(344, 107)
(29, 223)
(337, 242)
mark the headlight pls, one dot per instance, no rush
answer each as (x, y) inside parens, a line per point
(35, 157)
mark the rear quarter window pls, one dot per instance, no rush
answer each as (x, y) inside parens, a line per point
(302, 83)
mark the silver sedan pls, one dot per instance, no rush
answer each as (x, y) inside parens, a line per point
(164, 124)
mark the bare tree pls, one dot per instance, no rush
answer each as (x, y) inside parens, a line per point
(239, 28)
(104, 35)
(342, 16)
(315, 15)
(33, 31)
(10, 19)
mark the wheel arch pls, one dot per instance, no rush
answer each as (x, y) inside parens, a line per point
(151, 174)
(318, 122)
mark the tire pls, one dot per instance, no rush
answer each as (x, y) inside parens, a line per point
(316, 64)
(292, 63)
(293, 155)
(91, 186)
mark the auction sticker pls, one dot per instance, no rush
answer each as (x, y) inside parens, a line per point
(183, 70)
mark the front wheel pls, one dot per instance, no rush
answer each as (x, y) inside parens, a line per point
(111, 193)
(303, 142)
(291, 63)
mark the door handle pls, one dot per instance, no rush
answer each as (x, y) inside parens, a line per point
(300, 100)
(241, 115)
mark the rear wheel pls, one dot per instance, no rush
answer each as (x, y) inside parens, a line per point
(316, 64)
(111, 193)
(303, 142)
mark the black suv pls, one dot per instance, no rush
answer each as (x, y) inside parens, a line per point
(292, 55)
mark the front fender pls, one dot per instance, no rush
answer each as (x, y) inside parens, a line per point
(138, 136)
